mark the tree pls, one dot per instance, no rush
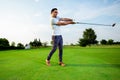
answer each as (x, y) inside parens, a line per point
(13, 44)
(36, 43)
(89, 37)
(110, 42)
(103, 41)
(4, 43)
(82, 42)
(71, 44)
(117, 43)
(20, 46)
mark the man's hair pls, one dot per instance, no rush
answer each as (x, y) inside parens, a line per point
(53, 9)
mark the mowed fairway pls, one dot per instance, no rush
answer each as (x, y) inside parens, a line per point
(94, 63)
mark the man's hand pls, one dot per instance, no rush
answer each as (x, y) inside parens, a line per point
(72, 22)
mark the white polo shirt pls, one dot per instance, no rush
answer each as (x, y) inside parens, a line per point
(55, 28)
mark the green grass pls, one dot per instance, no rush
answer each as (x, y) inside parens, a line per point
(94, 63)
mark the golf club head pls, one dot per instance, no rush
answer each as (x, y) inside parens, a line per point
(113, 24)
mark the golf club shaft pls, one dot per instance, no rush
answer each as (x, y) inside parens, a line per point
(93, 24)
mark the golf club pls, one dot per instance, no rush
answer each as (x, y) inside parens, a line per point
(95, 24)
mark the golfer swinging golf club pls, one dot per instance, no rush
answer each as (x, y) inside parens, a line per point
(56, 23)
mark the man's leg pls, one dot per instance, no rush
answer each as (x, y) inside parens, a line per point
(51, 52)
(55, 43)
(60, 45)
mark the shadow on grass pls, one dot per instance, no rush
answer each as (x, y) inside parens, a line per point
(94, 65)
(84, 65)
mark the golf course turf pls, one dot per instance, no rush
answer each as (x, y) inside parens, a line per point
(89, 63)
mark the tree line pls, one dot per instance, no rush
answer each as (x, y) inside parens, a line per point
(4, 44)
(89, 38)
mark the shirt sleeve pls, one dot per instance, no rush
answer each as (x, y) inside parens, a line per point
(55, 20)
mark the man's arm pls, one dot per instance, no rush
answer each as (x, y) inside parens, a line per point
(63, 23)
(66, 19)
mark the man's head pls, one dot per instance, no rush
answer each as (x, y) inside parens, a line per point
(54, 12)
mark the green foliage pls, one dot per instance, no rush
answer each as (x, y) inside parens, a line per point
(103, 41)
(89, 37)
(20, 46)
(110, 42)
(36, 43)
(83, 42)
(89, 34)
(4, 43)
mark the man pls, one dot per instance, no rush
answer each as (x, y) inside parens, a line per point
(56, 23)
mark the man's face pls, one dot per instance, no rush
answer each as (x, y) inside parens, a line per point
(54, 13)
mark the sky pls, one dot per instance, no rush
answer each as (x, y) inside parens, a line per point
(22, 21)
